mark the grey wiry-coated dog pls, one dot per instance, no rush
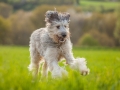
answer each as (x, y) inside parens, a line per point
(53, 43)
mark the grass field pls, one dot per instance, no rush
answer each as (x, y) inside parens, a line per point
(99, 6)
(98, 3)
(103, 63)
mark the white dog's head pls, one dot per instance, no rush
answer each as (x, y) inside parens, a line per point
(58, 25)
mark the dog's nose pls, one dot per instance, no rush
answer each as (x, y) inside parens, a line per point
(64, 35)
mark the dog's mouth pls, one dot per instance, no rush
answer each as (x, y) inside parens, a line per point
(61, 39)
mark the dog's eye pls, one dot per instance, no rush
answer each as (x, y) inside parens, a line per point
(58, 27)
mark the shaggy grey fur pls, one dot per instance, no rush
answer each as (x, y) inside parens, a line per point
(52, 43)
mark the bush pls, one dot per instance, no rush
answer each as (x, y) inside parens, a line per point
(38, 15)
(117, 28)
(104, 23)
(21, 27)
(102, 38)
(95, 38)
(5, 10)
(5, 28)
(100, 27)
(88, 40)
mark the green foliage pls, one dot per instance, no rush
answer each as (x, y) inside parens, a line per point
(22, 27)
(98, 5)
(56, 2)
(102, 38)
(104, 65)
(87, 5)
(117, 29)
(88, 40)
(31, 4)
(104, 23)
(38, 15)
(101, 27)
(5, 10)
(6, 1)
(5, 28)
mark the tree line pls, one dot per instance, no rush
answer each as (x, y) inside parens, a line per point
(87, 28)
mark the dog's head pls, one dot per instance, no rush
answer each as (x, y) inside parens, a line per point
(58, 25)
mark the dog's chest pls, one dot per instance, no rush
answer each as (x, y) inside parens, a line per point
(46, 41)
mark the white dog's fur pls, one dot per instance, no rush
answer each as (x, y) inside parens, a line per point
(53, 43)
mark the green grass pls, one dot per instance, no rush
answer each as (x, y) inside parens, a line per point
(99, 6)
(103, 63)
(98, 3)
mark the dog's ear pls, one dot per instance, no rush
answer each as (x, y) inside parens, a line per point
(67, 17)
(51, 16)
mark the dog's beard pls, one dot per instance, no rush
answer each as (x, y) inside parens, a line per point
(58, 39)
(61, 39)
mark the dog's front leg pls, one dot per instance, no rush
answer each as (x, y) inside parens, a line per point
(78, 63)
(51, 58)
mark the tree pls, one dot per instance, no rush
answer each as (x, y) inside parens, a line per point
(77, 2)
(4, 31)
(117, 29)
(5, 10)
(5, 1)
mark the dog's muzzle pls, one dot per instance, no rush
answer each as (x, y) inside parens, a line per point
(63, 35)
(61, 39)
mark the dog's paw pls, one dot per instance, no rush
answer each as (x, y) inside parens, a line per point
(80, 65)
(85, 72)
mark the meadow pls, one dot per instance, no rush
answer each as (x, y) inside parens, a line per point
(99, 5)
(104, 64)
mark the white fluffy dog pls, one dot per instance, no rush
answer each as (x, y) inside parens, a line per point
(53, 43)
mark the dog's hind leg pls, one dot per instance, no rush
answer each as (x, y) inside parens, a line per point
(45, 70)
(35, 61)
